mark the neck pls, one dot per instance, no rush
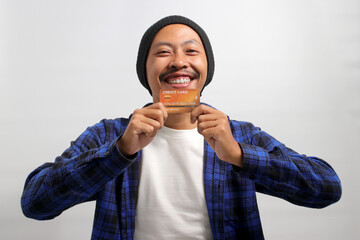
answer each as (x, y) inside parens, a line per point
(180, 121)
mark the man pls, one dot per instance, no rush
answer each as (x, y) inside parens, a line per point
(158, 175)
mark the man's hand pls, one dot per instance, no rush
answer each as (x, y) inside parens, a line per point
(142, 128)
(215, 128)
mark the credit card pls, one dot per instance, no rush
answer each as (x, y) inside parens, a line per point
(180, 101)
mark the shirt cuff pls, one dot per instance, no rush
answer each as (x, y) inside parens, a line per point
(118, 162)
(254, 161)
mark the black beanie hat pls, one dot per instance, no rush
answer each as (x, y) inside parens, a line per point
(149, 35)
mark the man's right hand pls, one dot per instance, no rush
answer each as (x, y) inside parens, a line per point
(142, 128)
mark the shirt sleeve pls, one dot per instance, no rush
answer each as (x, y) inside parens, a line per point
(76, 176)
(280, 171)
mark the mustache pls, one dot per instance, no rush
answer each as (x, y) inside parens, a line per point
(193, 73)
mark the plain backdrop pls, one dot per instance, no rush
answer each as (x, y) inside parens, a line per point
(289, 67)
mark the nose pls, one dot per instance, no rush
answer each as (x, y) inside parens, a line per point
(179, 61)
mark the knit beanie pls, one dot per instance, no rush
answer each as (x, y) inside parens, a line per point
(149, 35)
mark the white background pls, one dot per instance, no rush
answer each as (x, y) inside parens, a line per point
(290, 67)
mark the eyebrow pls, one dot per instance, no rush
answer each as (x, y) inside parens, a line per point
(191, 41)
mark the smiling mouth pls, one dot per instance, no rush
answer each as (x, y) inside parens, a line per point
(181, 80)
(178, 81)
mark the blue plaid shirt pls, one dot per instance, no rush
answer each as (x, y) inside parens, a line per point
(92, 168)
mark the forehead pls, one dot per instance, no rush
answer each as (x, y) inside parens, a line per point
(176, 32)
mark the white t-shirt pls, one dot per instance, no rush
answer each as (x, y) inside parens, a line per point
(171, 202)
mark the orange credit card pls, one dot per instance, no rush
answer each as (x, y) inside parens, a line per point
(180, 101)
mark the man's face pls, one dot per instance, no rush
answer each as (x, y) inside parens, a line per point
(176, 60)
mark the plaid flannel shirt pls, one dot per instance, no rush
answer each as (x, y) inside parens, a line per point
(92, 168)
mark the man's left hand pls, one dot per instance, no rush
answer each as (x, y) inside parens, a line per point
(214, 126)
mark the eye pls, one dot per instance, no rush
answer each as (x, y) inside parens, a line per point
(192, 51)
(162, 52)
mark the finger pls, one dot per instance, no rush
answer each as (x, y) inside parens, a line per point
(139, 126)
(160, 107)
(163, 109)
(146, 129)
(155, 123)
(205, 125)
(152, 117)
(211, 133)
(153, 106)
(209, 117)
(219, 132)
(155, 114)
(199, 110)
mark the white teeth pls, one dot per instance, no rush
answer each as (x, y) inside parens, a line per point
(179, 81)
